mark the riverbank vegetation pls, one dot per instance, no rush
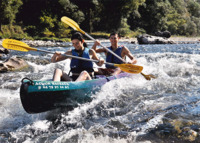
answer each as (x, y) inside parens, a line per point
(40, 19)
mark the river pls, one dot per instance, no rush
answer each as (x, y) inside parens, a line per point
(165, 109)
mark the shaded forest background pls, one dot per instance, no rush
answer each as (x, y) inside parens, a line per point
(40, 19)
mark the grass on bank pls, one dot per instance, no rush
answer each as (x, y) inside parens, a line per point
(16, 32)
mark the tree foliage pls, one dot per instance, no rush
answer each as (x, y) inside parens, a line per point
(8, 10)
(42, 17)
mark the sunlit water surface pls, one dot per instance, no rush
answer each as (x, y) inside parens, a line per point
(124, 110)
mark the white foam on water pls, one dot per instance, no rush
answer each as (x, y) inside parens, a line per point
(110, 91)
(13, 116)
(7, 93)
(152, 123)
(177, 83)
(85, 136)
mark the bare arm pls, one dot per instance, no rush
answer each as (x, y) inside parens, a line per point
(126, 52)
(94, 56)
(60, 57)
(98, 50)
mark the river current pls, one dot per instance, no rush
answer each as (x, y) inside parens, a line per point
(128, 110)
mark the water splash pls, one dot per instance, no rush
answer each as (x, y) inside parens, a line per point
(124, 110)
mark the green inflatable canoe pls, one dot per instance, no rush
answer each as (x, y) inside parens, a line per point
(41, 96)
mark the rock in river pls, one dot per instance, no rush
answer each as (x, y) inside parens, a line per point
(148, 39)
(13, 64)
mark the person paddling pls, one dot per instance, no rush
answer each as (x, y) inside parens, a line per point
(81, 70)
(121, 51)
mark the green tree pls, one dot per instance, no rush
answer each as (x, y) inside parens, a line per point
(194, 8)
(71, 10)
(175, 22)
(90, 8)
(48, 25)
(112, 12)
(46, 16)
(8, 11)
(196, 20)
(151, 16)
(178, 16)
(184, 17)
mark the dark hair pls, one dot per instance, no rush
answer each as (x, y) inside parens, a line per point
(114, 33)
(79, 36)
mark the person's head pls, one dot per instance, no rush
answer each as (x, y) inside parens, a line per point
(114, 38)
(114, 33)
(78, 41)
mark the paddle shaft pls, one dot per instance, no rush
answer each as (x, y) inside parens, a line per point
(75, 57)
(106, 48)
(146, 76)
(75, 26)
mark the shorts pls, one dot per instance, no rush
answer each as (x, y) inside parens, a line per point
(66, 77)
(106, 72)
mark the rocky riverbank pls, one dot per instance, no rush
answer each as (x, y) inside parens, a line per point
(40, 43)
(52, 43)
(185, 40)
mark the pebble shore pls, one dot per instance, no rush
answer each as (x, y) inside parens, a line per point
(40, 43)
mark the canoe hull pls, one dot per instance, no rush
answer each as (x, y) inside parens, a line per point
(41, 96)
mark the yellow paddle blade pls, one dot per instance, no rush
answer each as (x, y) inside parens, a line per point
(68, 20)
(130, 68)
(72, 24)
(16, 45)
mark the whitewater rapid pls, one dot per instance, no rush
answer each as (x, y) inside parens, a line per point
(124, 110)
